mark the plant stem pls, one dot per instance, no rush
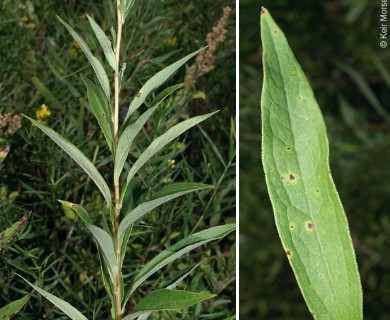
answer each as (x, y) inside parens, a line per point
(117, 290)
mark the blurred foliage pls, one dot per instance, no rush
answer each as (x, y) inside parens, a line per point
(40, 76)
(337, 44)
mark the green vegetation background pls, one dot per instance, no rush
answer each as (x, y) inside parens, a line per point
(337, 44)
(39, 65)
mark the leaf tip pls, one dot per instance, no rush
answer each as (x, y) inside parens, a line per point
(263, 10)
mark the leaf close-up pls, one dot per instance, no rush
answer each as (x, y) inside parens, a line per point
(309, 216)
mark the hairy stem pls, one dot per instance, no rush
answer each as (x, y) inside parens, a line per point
(118, 298)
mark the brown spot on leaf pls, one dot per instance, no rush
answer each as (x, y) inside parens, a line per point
(2, 235)
(291, 177)
(74, 207)
(309, 225)
(138, 94)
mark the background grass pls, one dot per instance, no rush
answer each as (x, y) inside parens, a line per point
(337, 44)
(40, 65)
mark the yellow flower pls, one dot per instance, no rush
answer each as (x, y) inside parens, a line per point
(42, 114)
(167, 180)
(171, 164)
(171, 42)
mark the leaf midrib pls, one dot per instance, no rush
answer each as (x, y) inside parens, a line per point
(303, 182)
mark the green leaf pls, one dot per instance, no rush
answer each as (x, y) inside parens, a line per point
(64, 306)
(175, 190)
(179, 249)
(9, 311)
(8, 234)
(126, 140)
(171, 286)
(129, 5)
(4, 150)
(78, 156)
(167, 299)
(81, 212)
(108, 285)
(213, 147)
(95, 63)
(105, 44)
(156, 81)
(308, 212)
(106, 246)
(101, 109)
(166, 93)
(162, 141)
(185, 275)
(140, 315)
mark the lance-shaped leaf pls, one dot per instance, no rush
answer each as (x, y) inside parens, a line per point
(95, 63)
(167, 299)
(64, 306)
(309, 215)
(179, 249)
(161, 142)
(106, 246)
(4, 151)
(108, 285)
(125, 7)
(101, 109)
(81, 212)
(8, 311)
(168, 193)
(126, 140)
(157, 80)
(78, 156)
(105, 43)
(8, 234)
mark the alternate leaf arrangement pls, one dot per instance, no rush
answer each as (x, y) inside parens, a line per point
(112, 242)
(308, 212)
